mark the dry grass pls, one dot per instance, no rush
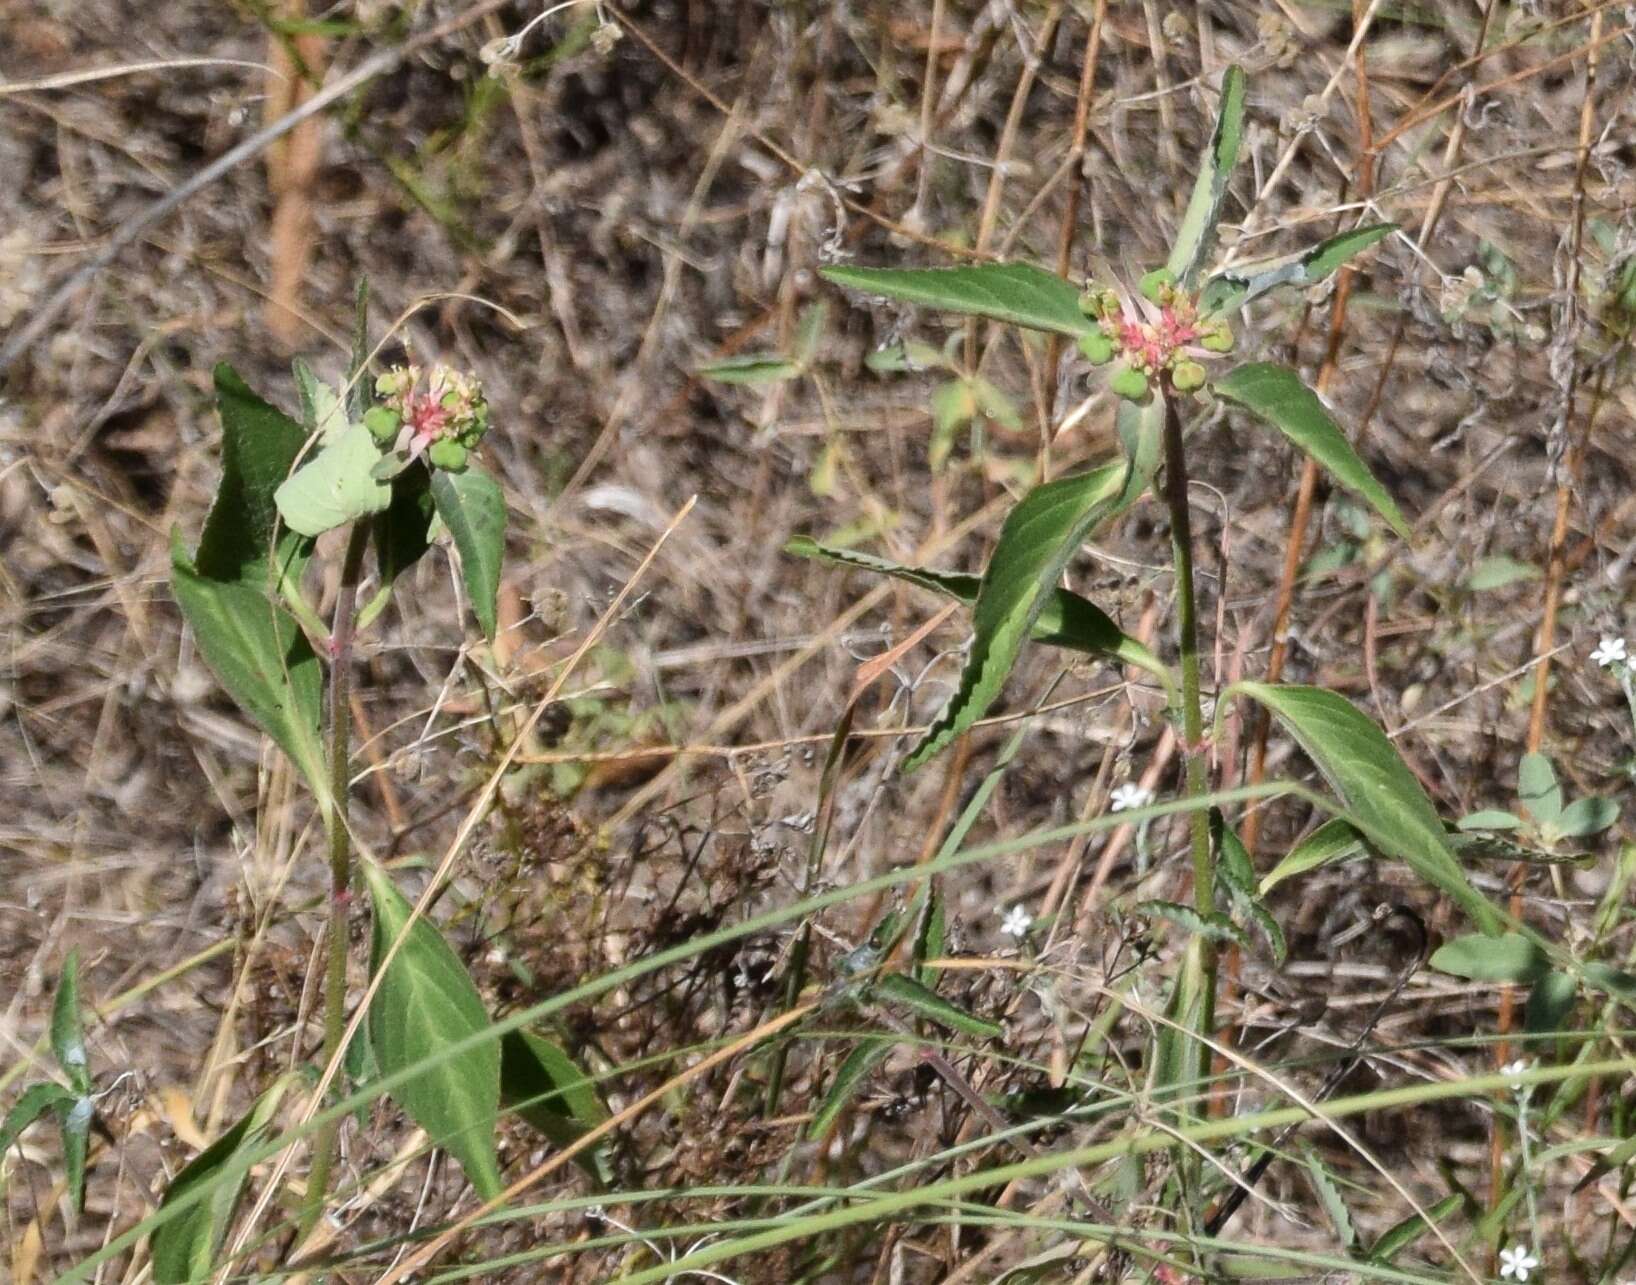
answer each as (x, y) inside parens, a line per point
(595, 226)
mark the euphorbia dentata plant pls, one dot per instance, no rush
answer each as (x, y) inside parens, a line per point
(1162, 346)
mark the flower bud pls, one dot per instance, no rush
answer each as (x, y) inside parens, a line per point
(1096, 347)
(1218, 337)
(1187, 376)
(1158, 286)
(1129, 384)
(382, 423)
(447, 454)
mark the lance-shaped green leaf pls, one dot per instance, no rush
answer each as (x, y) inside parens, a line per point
(1037, 539)
(1214, 927)
(67, 1031)
(1237, 873)
(1229, 290)
(1382, 796)
(185, 1248)
(35, 1101)
(1016, 292)
(853, 1074)
(360, 388)
(1277, 395)
(542, 1084)
(259, 447)
(1334, 840)
(1509, 957)
(1197, 233)
(259, 654)
(474, 509)
(900, 988)
(336, 486)
(1066, 620)
(751, 368)
(1398, 1237)
(427, 1003)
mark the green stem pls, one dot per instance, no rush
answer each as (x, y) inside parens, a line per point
(340, 855)
(1192, 713)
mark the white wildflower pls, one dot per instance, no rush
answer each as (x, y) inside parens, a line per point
(1016, 922)
(1517, 1262)
(1130, 796)
(1515, 1071)
(1611, 651)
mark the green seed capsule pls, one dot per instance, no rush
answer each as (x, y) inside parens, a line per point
(1129, 384)
(1158, 286)
(1187, 376)
(1219, 338)
(447, 454)
(1096, 347)
(382, 423)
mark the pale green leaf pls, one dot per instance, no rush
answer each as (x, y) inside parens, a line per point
(427, 1003)
(1537, 789)
(1230, 290)
(259, 654)
(953, 405)
(1016, 292)
(904, 355)
(542, 1084)
(809, 333)
(996, 405)
(1585, 817)
(751, 368)
(1215, 927)
(335, 486)
(1196, 236)
(321, 409)
(1498, 572)
(1382, 796)
(474, 509)
(900, 988)
(185, 1248)
(1490, 819)
(1509, 957)
(853, 1074)
(1277, 396)
(1329, 1195)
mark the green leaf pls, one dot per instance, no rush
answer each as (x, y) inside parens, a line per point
(1537, 788)
(751, 368)
(360, 388)
(1614, 981)
(809, 333)
(74, 1126)
(1398, 1237)
(1216, 927)
(1383, 798)
(1227, 292)
(848, 1080)
(321, 409)
(425, 1004)
(336, 486)
(1618, 1158)
(35, 1101)
(953, 405)
(1329, 1195)
(1585, 817)
(996, 405)
(1238, 875)
(904, 355)
(1509, 957)
(1197, 233)
(899, 988)
(931, 935)
(1335, 840)
(404, 532)
(185, 1248)
(542, 1084)
(1277, 395)
(1016, 292)
(259, 447)
(1067, 620)
(259, 654)
(1489, 819)
(1550, 1002)
(1037, 540)
(67, 1034)
(1498, 572)
(473, 508)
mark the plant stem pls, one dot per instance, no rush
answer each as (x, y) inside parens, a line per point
(1192, 714)
(340, 854)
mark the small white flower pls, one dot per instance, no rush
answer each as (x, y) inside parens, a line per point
(1611, 651)
(1016, 922)
(1517, 1262)
(1127, 797)
(1515, 1070)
